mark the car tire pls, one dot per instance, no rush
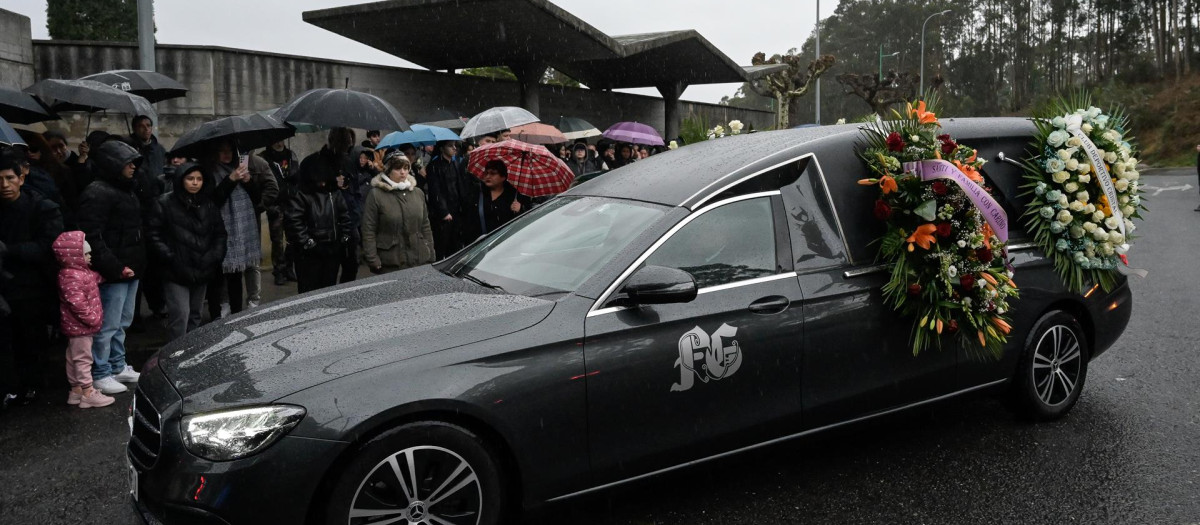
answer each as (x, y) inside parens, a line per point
(455, 473)
(1052, 369)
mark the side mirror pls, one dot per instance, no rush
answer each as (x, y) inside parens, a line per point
(660, 285)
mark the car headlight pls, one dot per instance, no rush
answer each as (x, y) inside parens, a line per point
(233, 434)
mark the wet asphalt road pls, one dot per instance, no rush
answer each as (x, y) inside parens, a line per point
(1128, 453)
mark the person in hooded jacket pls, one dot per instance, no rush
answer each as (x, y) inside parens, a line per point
(396, 233)
(581, 163)
(111, 216)
(316, 219)
(188, 240)
(82, 316)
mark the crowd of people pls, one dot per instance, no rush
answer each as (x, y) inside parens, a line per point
(88, 236)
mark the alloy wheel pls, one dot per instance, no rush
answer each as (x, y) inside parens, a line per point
(1056, 365)
(422, 485)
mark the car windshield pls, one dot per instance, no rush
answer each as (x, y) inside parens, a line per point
(557, 246)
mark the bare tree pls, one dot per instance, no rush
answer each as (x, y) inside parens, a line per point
(793, 82)
(880, 94)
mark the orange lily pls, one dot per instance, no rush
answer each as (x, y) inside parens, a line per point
(923, 237)
(888, 184)
(987, 238)
(919, 113)
(969, 171)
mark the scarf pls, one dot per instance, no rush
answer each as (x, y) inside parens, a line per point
(242, 246)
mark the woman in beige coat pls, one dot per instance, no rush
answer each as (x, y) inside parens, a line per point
(395, 223)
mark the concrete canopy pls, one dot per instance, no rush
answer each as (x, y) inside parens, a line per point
(530, 35)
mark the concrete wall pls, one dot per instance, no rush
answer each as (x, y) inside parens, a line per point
(232, 82)
(16, 51)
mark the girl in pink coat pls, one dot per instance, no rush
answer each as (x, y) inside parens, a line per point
(82, 315)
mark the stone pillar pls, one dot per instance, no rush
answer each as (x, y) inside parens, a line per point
(16, 51)
(529, 75)
(670, 94)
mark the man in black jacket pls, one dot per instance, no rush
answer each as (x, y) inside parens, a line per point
(316, 219)
(28, 226)
(445, 181)
(285, 165)
(110, 213)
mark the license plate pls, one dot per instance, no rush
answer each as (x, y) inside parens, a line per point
(133, 480)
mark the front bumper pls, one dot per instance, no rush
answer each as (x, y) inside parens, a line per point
(175, 487)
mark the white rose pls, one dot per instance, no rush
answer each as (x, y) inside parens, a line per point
(1129, 227)
(1090, 208)
(1133, 162)
(1064, 217)
(1119, 168)
(1084, 178)
(1097, 216)
(1082, 197)
(1106, 247)
(1072, 165)
(1110, 157)
(1116, 238)
(840, 121)
(1133, 175)
(1112, 136)
(736, 126)
(1127, 210)
(1121, 184)
(1112, 223)
(1099, 235)
(1076, 206)
(1065, 154)
(962, 243)
(1071, 187)
(1089, 227)
(1076, 232)
(1123, 199)
(1060, 177)
(1062, 200)
(1084, 168)
(1058, 122)
(1087, 128)
(1057, 138)
(1093, 112)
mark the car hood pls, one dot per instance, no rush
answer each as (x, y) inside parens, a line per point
(267, 353)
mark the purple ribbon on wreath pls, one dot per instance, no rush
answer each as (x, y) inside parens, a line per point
(991, 210)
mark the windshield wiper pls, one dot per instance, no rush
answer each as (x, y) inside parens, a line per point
(481, 282)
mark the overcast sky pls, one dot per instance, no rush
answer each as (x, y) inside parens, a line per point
(739, 29)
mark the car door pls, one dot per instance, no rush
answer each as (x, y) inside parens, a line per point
(677, 382)
(858, 356)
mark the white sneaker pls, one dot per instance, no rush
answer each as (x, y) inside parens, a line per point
(251, 304)
(128, 375)
(109, 386)
(225, 310)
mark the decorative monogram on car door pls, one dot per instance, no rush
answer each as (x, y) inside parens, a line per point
(718, 356)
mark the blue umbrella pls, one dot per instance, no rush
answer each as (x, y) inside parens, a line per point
(439, 133)
(8, 135)
(415, 137)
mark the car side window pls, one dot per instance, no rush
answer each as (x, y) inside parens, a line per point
(732, 243)
(816, 243)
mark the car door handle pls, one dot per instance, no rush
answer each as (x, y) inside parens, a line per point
(770, 305)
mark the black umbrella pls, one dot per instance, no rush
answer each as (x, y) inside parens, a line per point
(9, 136)
(153, 86)
(90, 96)
(342, 108)
(445, 118)
(21, 108)
(249, 131)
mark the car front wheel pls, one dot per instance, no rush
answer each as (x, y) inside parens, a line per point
(428, 473)
(1052, 369)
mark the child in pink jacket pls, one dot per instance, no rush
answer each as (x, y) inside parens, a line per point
(82, 315)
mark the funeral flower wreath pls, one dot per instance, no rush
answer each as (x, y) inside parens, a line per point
(946, 237)
(1083, 189)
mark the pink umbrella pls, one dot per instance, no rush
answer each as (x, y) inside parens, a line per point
(634, 133)
(538, 133)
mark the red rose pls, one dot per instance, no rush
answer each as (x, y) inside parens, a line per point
(883, 212)
(914, 289)
(967, 280)
(943, 229)
(895, 142)
(953, 327)
(940, 187)
(984, 255)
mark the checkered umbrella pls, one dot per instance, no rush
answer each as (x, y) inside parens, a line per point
(532, 169)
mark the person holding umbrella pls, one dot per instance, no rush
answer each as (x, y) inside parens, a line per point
(499, 202)
(316, 218)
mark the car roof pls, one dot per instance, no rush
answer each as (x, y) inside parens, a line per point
(690, 176)
(684, 177)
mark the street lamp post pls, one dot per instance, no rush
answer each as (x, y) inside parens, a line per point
(921, 93)
(881, 57)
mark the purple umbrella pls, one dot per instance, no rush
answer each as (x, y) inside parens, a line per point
(634, 133)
